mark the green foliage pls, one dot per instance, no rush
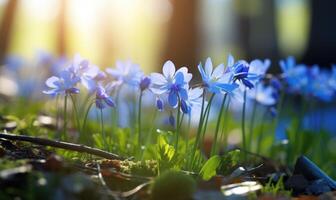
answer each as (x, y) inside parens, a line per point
(209, 169)
(221, 164)
(276, 189)
(166, 156)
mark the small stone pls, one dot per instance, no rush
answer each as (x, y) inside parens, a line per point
(54, 163)
(318, 187)
(297, 183)
(2, 152)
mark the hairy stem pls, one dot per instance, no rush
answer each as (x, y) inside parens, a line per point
(214, 143)
(243, 123)
(102, 128)
(139, 120)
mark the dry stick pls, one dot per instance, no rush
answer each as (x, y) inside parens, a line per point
(115, 194)
(62, 145)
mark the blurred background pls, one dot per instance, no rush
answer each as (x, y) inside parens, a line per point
(184, 31)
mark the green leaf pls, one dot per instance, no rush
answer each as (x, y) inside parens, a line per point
(209, 169)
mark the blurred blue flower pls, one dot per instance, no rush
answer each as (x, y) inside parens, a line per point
(126, 73)
(102, 98)
(276, 83)
(295, 75)
(264, 95)
(175, 84)
(14, 63)
(216, 80)
(144, 83)
(159, 104)
(317, 84)
(85, 71)
(332, 79)
(171, 120)
(64, 84)
(259, 68)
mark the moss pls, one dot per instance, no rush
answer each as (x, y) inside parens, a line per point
(173, 185)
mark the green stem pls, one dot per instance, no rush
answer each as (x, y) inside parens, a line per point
(188, 132)
(102, 128)
(251, 128)
(219, 119)
(65, 116)
(150, 133)
(192, 156)
(139, 120)
(243, 124)
(83, 134)
(205, 122)
(223, 137)
(76, 113)
(57, 117)
(206, 117)
(177, 125)
(261, 133)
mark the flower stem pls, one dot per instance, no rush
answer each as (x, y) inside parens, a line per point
(207, 113)
(243, 124)
(214, 143)
(202, 126)
(261, 134)
(251, 128)
(139, 120)
(65, 116)
(102, 128)
(223, 137)
(76, 113)
(177, 125)
(83, 133)
(192, 155)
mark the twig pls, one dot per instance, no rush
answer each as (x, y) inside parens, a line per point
(63, 145)
(115, 195)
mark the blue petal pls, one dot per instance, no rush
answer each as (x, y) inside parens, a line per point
(73, 90)
(179, 78)
(201, 70)
(247, 83)
(183, 94)
(158, 79)
(168, 69)
(185, 107)
(227, 87)
(52, 82)
(109, 102)
(159, 104)
(99, 104)
(172, 99)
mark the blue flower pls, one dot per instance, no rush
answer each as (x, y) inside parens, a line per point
(86, 72)
(332, 79)
(215, 80)
(102, 98)
(265, 95)
(64, 84)
(126, 73)
(194, 100)
(144, 83)
(175, 84)
(259, 68)
(159, 104)
(317, 84)
(241, 73)
(295, 75)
